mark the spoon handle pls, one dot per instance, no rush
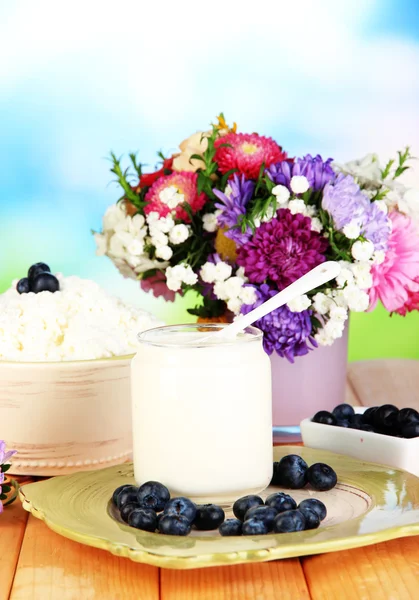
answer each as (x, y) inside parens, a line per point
(311, 280)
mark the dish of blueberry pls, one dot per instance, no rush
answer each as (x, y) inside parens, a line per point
(149, 507)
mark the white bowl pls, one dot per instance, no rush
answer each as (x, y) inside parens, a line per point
(63, 417)
(365, 445)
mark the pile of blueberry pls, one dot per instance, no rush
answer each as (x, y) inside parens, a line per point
(386, 419)
(39, 279)
(150, 508)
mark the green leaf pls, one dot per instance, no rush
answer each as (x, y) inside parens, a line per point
(386, 171)
(6, 488)
(137, 166)
(5, 468)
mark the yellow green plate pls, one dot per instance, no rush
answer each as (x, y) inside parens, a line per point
(370, 504)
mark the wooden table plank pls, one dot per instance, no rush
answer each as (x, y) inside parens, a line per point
(390, 381)
(387, 571)
(351, 396)
(258, 581)
(51, 567)
(12, 528)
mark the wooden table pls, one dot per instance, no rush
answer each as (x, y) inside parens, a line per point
(37, 564)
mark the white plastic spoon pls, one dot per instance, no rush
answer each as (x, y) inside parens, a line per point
(311, 280)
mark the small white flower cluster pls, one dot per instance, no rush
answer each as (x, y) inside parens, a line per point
(228, 287)
(179, 274)
(333, 305)
(299, 184)
(163, 231)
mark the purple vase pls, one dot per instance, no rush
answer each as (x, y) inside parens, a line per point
(313, 382)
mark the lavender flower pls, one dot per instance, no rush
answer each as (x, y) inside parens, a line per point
(4, 459)
(233, 206)
(285, 332)
(345, 202)
(316, 170)
(376, 227)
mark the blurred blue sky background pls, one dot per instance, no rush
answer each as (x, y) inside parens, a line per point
(79, 79)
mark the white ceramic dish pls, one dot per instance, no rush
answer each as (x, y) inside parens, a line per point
(365, 445)
(67, 416)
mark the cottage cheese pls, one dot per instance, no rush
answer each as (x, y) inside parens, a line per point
(79, 322)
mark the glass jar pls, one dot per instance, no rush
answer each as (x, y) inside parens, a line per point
(202, 412)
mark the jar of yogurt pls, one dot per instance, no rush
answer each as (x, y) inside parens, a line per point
(202, 412)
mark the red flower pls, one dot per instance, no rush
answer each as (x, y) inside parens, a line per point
(148, 179)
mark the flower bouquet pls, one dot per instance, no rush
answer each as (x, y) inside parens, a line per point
(235, 218)
(5, 489)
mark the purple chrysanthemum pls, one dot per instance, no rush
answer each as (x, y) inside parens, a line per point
(233, 206)
(376, 227)
(285, 332)
(317, 171)
(345, 202)
(282, 250)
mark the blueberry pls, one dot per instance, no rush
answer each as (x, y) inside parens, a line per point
(181, 507)
(321, 477)
(242, 505)
(368, 415)
(153, 495)
(406, 416)
(127, 496)
(119, 490)
(365, 427)
(143, 518)
(356, 420)
(230, 527)
(343, 411)
(411, 430)
(127, 509)
(289, 521)
(45, 282)
(281, 502)
(292, 472)
(385, 419)
(325, 417)
(266, 514)
(315, 505)
(342, 423)
(254, 527)
(23, 286)
(37, 268)
(311, 517)
(208, 516)
(174, 524)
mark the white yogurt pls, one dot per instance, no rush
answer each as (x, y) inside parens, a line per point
(202, 415)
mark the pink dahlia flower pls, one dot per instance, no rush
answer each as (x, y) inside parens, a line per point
(412, 302)
(168, 194)
(282, 250)
(247, 152)
(395, 281)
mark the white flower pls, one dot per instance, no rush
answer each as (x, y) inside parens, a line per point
(248, 295)
(165, 224)
(281, 193)
(180, 274)
(208, 272)
(137, 222)
(234, 304)
(345, 274)
(352, 230)
(171, 196)
(362, 274)
(379, 257)
(164, 252)
(299, 184)
(119, 242)
(338, 313)
(222, 271)
(233, 286)
(209, 222)
(367, 170)
(362, 250)
(135, 247)
(240, 273)
(300, 303)
(409, 204)
(153, 217)
(113, 215)
(220, 291)
(357, 299)
(173, 284)
(316, 225)
(269, 215)
(382, 206)
(334, 328)
(297, 206)
(323, 338)
(321, 303)
(189, 277)
(228, 191)
(101, 243)
(158, 238)
(179, 234)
